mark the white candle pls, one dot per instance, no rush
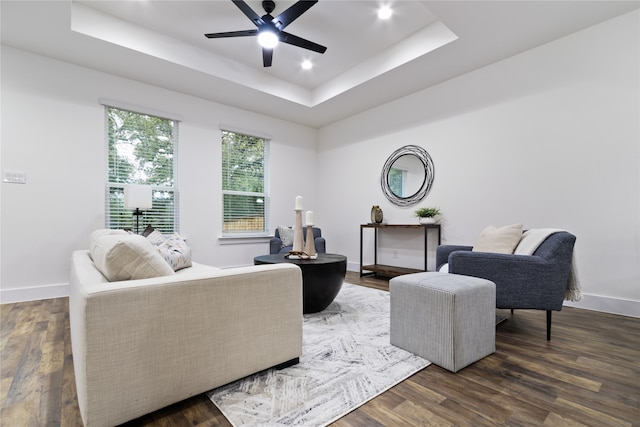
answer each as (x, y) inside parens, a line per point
(298, 203)
(309, 218)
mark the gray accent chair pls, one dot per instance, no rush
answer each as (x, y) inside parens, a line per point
(537, 281)
(275, 244)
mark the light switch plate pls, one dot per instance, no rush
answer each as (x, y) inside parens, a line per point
(14, 177)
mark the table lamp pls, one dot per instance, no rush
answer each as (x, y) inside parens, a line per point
(137, 197)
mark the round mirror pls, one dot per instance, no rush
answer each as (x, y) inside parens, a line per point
(407, 175)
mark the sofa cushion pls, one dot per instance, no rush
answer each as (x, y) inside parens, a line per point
(126, 257)
(103, 232)
(501, 240)
(175, 251)
(286, 235)
(197, 268)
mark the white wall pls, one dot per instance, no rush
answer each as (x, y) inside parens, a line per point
(53, 129)
(549, 138)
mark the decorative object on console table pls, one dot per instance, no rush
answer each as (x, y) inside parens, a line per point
(376, 214)
(427, 215)
(137, 197)
(310, 246)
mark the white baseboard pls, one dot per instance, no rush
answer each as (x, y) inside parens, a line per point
(605, 304)
(624, 307)
(353, 266)
(34, 293)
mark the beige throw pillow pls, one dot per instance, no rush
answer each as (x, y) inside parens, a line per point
(103, 232)
(502, 240)
(128, 257)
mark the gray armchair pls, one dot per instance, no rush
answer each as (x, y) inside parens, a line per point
(275, 244)
(537, 281)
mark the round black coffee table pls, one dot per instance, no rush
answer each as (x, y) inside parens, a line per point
(322, 278)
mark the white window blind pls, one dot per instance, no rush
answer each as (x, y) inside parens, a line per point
(244, 185)
(141, 150)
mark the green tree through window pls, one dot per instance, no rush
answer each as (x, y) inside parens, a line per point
(141, 151)
(245, 200)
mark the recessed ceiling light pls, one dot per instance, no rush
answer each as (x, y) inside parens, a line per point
(384, 12)
(307, 65)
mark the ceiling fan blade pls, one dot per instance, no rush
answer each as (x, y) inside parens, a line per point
(267, 57)
(292, 13)
(246, 9)
(232, 34)
(300, 42)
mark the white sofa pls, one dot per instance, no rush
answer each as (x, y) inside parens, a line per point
(140, 345)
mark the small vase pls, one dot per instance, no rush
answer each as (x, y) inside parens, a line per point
(376, 214)
(430, 220)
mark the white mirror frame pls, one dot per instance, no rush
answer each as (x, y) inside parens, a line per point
(429, 173)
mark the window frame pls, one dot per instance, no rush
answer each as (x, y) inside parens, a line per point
(110, 212)
(247, 235)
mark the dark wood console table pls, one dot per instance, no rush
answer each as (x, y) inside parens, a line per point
(390, 270)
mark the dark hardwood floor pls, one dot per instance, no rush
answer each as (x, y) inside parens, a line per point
(588, 374)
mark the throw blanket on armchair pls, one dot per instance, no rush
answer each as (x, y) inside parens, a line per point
(530, 241)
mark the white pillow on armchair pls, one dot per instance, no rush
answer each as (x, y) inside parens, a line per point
(502, 240)
(286, 235)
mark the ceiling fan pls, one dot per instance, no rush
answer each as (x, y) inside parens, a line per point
(270, 29)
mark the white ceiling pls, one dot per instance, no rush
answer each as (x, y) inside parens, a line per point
(368, 62)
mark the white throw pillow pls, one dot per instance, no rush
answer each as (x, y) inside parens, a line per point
(502, 240)
(103, 232)
(286, 235)
(128, 257)
(175, 251)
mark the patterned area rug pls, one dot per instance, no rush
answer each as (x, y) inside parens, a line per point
(346, 361)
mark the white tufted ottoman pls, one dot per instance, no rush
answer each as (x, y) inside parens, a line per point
(448, 319)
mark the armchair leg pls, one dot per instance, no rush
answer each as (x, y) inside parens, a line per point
(548, 325)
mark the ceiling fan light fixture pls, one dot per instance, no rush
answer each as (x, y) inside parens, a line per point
(385, 12)
(306, 64)
(270, 30)
(268, 39)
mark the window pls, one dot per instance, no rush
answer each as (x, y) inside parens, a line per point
(141, 150)
(244, 188)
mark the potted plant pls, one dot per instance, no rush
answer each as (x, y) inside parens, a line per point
(427, 215)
